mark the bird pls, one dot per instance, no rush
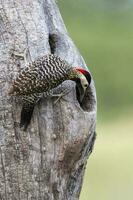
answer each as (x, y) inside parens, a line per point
(40, 77)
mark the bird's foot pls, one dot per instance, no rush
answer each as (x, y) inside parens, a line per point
(61, 95)
(75, 102)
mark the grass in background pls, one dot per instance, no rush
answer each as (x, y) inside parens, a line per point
(109, 173)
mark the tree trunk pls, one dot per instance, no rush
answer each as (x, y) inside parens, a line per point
(46, 162)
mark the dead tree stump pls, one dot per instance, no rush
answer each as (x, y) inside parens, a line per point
(48, 161)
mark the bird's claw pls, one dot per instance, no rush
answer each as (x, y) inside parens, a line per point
(60, 96)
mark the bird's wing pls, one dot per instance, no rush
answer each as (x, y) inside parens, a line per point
(40, 76)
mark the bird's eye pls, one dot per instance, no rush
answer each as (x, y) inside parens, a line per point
(85, 85)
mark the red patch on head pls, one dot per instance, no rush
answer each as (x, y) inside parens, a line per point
(85, 73)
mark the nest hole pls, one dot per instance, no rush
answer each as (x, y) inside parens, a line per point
(88, 103)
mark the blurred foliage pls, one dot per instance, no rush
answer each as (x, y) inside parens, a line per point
(103, 32)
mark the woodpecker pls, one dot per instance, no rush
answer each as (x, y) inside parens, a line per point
(41, 77)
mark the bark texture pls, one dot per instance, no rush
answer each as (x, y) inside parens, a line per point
(48, 161)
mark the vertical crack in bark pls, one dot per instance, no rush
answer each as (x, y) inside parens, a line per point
(78, 172)
(73, 180)
(53, 39)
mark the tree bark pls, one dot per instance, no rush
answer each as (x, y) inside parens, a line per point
(46, 162)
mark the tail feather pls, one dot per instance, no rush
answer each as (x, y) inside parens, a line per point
(26, 114)
(29, 103)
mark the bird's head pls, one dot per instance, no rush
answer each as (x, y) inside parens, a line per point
(83, 80)
(85, 73)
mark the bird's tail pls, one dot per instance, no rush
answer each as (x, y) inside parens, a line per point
(26, 115)
(29, 103)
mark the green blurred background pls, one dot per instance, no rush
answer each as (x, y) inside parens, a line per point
(103, 32)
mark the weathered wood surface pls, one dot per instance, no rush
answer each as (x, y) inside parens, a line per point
(47, 162)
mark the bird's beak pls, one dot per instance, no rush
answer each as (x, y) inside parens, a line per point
(83, 90)
(80, 92)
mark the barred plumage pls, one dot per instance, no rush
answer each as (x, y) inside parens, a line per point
(42, 75)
